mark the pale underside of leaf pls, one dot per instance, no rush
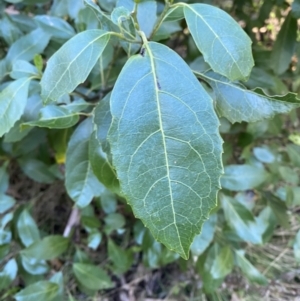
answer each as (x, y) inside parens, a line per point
(224, 45)
(238, 104)
(166, 146)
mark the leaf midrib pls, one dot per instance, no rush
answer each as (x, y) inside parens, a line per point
(152, 63)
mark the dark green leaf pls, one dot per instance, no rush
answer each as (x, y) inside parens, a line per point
(121, 259)
(243, 177)
(248, 269)
(12, 103)
(156, 119)
(41, 290)
(27, 229)
(91, 276)
(81, 183)
(72, 63)
(223, 43)
(28, 46)
(48, 248)
(4, 178)
(237, 104)
(54, 117)
(284, 46)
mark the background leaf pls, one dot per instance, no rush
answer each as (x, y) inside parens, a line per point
(225, 46)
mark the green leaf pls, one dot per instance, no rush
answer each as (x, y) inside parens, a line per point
(296, 247)
(243, 177)
(296, 9)
(72, 63)
(81, 183)
(223, 43)
(294, 154)
(12, 103)
(6, 202)
(241, 220)
(94, 239)
(223, 263)
(33, 266)
(289, 175)
(4, 178)
(58, 278)
(99, 150)
(56, 27)
(156, 119)
(54, 117)
(121, 259)
(284, 46)
(8, 274)
(264, 154)
(113, 221)
(28, 46)
(146, 16)
(27, 229)
(48, 248)
(248, 269)
(237, 104)
(203, 240)
(41, 290)
(91, 276)
(22, 69)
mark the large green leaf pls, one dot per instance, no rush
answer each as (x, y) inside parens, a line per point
(27, 228)
(81, 183)
(237, 104)
(91, 276)
(12, 103)
(223, 43)
(54, 117)
(166, 146)
(48, 248)
(72, 63)
(41, 290)
(284, 46)
(243, 177)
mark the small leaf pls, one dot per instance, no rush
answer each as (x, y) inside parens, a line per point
(72, 63)
(28, 46)
(296, 246)
(294, 154)
(156, 119)
(57, 27)
(240, 220)
(91, 276)
(12, 103)
(48, 248)
(237, 104)
(41, 290)
(4, 179)
(22, 69)
(27, 229)
(243, 177)
(203, 240)
(264, 154)
(223, 43)
(146, 16)
(81, 183)
(54, 117)
(33, 266)
(223, 263)
(284, 46)
(248, 269)
(6, 202)
(121, 259)
(8, 274)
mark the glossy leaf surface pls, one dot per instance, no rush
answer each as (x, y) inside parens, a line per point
(223, 43)
(72, 63)
(156, 119)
